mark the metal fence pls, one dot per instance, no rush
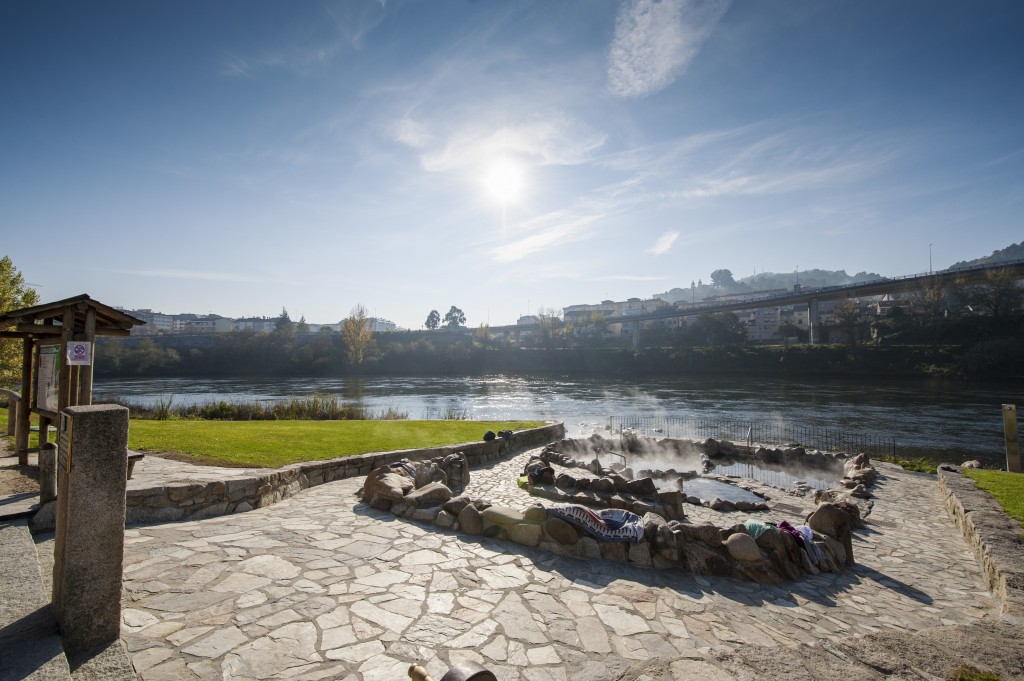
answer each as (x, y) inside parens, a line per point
(755, 432)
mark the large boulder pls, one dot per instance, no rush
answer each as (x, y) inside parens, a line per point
(742, 547)
(391, 486)
(833, 520)
(432, 494)
(470, 520)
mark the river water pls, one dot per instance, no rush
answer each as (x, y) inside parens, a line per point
(940, 418)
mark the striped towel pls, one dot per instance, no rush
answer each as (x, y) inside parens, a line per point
(610, 524)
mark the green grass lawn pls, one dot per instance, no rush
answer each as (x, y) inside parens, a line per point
(1007, 488)
(272, 444)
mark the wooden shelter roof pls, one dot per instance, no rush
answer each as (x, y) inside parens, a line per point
(45, 320)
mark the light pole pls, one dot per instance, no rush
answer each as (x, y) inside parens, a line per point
(929, 258)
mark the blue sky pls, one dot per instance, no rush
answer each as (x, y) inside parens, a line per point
(238, 157)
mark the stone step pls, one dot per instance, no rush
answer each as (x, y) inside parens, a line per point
(30, 645)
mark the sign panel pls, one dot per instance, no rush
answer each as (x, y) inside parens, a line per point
(48, 378)
(79, 353)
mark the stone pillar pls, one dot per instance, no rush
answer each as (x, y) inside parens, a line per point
(47, 473)
(1012, 440)
(92, 463)
(813, 319)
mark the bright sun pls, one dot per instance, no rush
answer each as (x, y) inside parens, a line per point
(505, 181)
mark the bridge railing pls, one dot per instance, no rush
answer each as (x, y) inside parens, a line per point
(756, 433)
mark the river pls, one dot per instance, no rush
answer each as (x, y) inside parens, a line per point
(938, 417)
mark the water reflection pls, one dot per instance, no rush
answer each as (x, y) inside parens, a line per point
(936, 415)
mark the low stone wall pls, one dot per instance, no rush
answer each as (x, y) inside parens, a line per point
(997, 539)
(196, 500)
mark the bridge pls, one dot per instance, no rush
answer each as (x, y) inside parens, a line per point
(974, 274)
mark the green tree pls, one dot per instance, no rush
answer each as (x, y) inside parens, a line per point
(433, 320)
(722, 279)
(848, 317)
(358, 334)
(283, 323)
(15, 294)
(454, 318)
(302, 326)
(1000, 296)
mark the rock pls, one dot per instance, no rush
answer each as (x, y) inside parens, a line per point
(456, 504)
(432, 494)
(470, 520)
(381, 504)
(705, 533)
(536, 514)
(973, 463)
(640, 554)
(392, 486)
(641, 508)
(834, 548)
(527, 534)
(703, 561)
(603, 485)
(561, 531)
(502, 516)
(614, 550)
(837, 522)
(644, 487)
(588, 547)
(761, 571)
(621, 484)
(742, 547)
(565, 481)
(428, 514)
(652, 521)
(399, 507)
(428, 472)
(445, 520)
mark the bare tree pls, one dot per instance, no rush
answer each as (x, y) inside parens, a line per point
(358, 334)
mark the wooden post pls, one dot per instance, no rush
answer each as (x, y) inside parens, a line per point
(64, 380)
(25, 405)
(1012, 442)
(85, 377)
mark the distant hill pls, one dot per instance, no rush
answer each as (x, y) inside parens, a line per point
(1011, 252)
(767, 281)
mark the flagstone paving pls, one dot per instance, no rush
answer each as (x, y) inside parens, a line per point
(320, 586)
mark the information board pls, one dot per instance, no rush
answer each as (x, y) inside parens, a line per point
(48, 378)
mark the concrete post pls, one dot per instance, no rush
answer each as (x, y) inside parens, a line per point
(47, 473)
(92, 463)
(1012, 442)
(813, 319)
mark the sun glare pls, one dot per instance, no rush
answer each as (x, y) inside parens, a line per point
(504, 181)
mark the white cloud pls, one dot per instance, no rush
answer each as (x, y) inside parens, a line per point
(664, 243)
(655, 41)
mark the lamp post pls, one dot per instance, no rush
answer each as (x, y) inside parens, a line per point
(929, 259)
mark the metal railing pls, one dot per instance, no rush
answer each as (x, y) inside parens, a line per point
(756, 432)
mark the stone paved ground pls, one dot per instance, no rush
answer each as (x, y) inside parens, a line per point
(320, 586)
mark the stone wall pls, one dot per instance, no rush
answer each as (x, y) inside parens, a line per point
(195, 500)
(997, 539)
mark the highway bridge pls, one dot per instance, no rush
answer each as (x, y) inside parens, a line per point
(975, 274)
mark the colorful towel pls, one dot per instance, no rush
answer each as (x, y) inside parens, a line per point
(610, 524)
(755, 529)
(816, 555)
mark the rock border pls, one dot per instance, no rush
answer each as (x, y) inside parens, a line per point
(997, 539)
(208, 499)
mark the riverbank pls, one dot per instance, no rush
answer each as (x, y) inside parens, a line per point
(228, 355)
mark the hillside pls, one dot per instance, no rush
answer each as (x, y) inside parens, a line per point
(766, 281)
(1011, 252)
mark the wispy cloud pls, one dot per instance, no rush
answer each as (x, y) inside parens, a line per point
(655, 41)
(548, 232)
(348, 23)
(629, 277)
(189, 274)
(664, 243)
